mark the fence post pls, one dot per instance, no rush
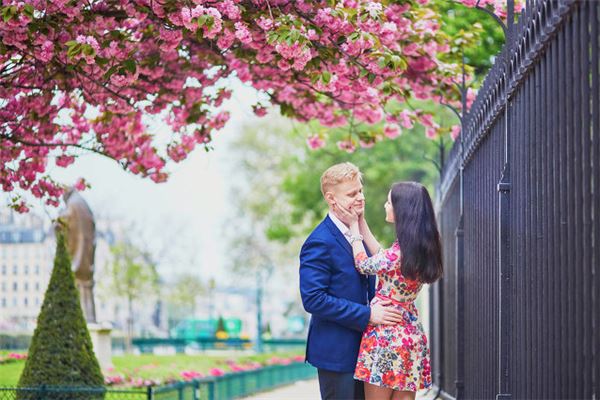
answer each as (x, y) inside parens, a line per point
(180, 387)
(43, 392)
(505, 267)
(196, 389)
(149, 393)
(460, 308)
(211, 390)
(505, 282)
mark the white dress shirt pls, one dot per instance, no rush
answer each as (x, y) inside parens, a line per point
(341, 226)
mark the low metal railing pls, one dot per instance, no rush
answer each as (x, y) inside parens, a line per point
(228, 386)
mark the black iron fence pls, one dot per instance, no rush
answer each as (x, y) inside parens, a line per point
(517, 313)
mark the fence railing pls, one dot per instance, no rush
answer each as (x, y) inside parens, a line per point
(517, 314)
(229, 386)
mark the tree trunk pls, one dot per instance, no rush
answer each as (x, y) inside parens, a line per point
(129, 324)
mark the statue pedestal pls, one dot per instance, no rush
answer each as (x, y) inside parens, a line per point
(100, 335)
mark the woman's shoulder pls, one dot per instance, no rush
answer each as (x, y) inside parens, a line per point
(393, 253)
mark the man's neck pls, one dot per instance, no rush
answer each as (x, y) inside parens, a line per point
(336, 220)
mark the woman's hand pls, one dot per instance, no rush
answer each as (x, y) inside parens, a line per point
(349, 217)
(362, 223)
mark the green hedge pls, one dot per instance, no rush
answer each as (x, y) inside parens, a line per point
(61, 350)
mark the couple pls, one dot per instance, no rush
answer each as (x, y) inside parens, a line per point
(358, 334)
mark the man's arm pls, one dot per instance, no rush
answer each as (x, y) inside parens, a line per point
(314, 283)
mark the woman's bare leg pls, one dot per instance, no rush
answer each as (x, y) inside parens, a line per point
(403, 395)
(374, 392)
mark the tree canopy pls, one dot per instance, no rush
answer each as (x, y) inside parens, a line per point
(95, 76)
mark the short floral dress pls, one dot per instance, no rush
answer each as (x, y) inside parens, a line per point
(393, 356)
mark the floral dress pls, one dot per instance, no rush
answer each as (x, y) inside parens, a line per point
(393, 356)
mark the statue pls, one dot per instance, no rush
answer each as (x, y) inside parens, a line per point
(80, 229)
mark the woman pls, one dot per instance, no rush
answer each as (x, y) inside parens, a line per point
(393, 360)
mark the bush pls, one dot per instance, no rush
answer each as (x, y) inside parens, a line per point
(61, 352)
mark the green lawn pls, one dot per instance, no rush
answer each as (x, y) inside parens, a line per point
(9, 373)
(150, 366)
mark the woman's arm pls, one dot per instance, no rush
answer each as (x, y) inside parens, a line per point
(372, 243)
(365, 265)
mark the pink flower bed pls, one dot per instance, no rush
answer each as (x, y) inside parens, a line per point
(232, 367)
(12, 357)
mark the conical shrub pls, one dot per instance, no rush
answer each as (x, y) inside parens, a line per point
(61, 352)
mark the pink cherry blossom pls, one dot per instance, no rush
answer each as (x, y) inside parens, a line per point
(455, 132)
(315, 142)
(431, 133)
(80, 185)
(392, 131)
(98, 78)
(347, 145)
(406, 119)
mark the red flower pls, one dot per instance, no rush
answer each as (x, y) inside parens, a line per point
(390, 379)
(368, 342)
(362, 372)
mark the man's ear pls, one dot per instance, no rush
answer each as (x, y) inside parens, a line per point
(330, 198)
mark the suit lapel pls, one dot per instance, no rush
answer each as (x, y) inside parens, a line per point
(341, 239)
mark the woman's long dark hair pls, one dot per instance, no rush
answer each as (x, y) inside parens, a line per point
(417, 232)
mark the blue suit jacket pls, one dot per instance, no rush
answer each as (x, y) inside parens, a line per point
(336, 295)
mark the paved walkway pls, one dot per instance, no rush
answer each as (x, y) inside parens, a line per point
(298, 391)
(309, 390)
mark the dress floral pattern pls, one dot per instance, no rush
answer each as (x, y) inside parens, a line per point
(393, 356)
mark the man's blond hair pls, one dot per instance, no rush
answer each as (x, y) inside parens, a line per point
(337, 174)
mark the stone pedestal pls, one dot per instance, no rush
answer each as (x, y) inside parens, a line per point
(100, 334)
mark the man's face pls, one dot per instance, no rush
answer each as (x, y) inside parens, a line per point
(349, 195)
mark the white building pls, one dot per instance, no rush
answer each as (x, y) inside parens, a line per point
(26, 257)
(27, 248)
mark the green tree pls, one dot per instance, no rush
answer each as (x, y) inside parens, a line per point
(280, 191)
(132, 276)
(406, 158)
(261, 151)
(221, 332)
(183, 294)
(61, 350)
(457, 20)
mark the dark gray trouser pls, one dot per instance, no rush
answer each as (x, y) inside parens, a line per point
(340, 386)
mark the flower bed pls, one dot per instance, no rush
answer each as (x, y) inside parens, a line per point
(12, 357)
(133, 378)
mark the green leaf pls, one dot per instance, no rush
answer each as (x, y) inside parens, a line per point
(8, 13)
(287, 110)
(129, 65)
(110, 72)
(88, 50)
(74, 50)
(101, 61)
(28, 10)
(326, 77)
(203, 20)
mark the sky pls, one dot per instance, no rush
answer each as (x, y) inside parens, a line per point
(189, 210)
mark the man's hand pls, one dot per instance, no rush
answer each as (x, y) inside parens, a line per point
(383, 314)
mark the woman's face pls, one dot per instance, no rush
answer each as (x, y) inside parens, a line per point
(389, 210)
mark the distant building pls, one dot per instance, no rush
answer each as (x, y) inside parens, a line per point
(27, 247)
(26, 256)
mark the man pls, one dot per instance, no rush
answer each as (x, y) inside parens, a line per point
(333, 291)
